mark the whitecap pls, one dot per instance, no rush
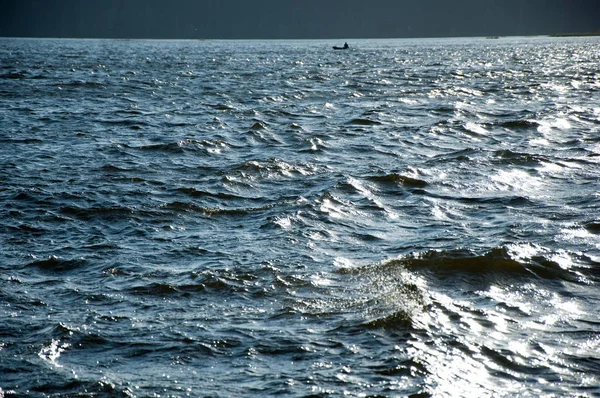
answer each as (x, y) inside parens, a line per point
(52, 352)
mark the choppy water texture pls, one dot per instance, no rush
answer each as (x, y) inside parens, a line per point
(206, 218)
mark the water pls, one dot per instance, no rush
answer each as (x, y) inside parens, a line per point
(257, 218)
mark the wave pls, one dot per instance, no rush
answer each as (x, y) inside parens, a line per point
(461, 155)
(156, 289)
(221, 107)
(466, 261)
(274, 167)
(593, 227)
(21, 140)
(196, 193)
(364, 122)
(399, 179)
(497, 263)
(395, 320)
(107, 213)
(173, 147)
(57, 264)
(214, 281)
(185, 207)
(132, 124)
(17, 75)
(395, 308)
(519, 124)
(207, 211)
(82, 84)
(505, 200)
(519, 158)
(117, 169)
(28, 229)
(259, 125)
(186, 145)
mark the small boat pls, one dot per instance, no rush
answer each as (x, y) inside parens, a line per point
(344, 47)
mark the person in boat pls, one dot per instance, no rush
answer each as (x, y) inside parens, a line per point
(346, 46)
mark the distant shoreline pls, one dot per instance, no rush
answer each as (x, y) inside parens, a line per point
(581, 34)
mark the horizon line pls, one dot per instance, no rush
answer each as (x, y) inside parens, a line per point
(582, 34)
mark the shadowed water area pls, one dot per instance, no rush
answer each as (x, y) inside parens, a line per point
(257, 218)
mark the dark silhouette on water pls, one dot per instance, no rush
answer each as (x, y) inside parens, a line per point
(345, 47)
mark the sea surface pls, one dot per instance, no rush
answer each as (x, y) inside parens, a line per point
(407, 218)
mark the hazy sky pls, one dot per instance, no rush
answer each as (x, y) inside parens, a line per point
(288, 19)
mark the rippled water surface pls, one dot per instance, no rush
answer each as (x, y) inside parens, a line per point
(205, 218)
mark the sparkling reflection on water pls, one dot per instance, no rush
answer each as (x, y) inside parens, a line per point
(224, 218)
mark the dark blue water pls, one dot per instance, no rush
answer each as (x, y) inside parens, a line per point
(206, 218)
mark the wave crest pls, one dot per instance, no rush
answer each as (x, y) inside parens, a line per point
(510, 261)
(395, 178)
